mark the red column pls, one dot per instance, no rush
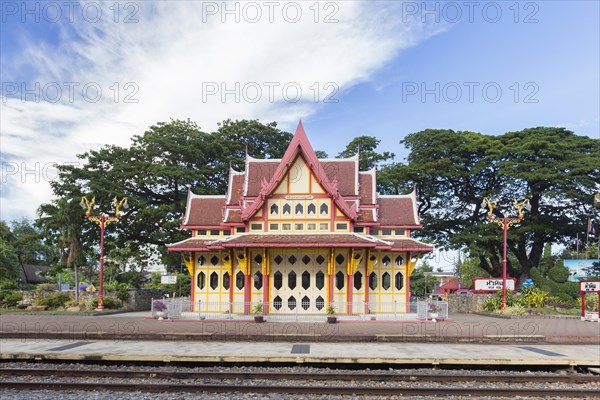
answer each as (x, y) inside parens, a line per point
(505, 224)
(192, 277)
(265, 294)
(247, 293)
(101, 288)
(231, 285)
(408, 256)
(330, 289)
(349, 293)
(366, 290)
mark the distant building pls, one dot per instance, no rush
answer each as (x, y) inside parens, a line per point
(33, 273)
(298, 234)
(440, 277)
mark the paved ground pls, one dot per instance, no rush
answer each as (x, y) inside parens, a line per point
(303, 352)
(464, 328)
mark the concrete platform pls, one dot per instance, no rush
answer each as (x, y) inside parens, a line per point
(460, 328)
(305, 352)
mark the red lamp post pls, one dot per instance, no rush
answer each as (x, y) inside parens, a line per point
(505, 223)
(102, 220)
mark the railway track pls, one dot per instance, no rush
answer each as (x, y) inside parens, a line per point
(263, 382)
(321, 376)
(331, 390)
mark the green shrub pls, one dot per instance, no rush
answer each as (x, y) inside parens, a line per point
(559, 274)
(120, 291)
(109, 303)
(515, 309)
(55, 300)
(534, 297)
(10, 298)
(45, 289)
(591, 302)
(561, 300)
(7, 284)
(71, 303)
(495, 303)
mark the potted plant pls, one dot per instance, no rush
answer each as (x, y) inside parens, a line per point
(331, 318)
(433, 310)
(258, 310)
(159, 307)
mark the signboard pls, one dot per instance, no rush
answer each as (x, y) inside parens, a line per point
(168, 279)
(492, 284)
(582, 269)
(591, 286)
(527, 283)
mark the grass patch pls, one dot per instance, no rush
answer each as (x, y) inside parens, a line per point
(54, 312)
(552, 311)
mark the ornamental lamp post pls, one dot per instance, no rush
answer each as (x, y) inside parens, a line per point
(102, 220)
(505, 223)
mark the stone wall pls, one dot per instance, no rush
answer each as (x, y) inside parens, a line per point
(29, 295)
(141, 300)
(467, 303)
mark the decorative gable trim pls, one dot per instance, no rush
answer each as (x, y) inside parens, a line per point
(299, 144)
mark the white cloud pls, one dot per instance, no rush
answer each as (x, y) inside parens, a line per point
(167, 60)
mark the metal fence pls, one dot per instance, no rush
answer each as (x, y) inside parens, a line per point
(184, 308)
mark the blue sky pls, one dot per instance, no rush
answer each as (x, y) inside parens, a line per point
(559, 55)
(153, 61)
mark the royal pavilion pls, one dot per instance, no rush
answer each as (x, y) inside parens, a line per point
(299, 234)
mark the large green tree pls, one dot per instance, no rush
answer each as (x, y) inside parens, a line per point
(366, 147)
(9, 262)
(555, 169)
(154, 173)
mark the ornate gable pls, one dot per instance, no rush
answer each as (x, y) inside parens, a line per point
(299, 147)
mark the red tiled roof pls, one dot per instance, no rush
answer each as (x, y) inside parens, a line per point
(237, 188)
(204, 210)
(367, 215)
(299, 240)
(189, 245)
(409, 245)
(344, 172)
(453, 284)
(365, 182)
(233, 216)
(256, 172)
(397, 211)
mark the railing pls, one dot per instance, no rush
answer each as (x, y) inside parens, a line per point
(426, 308)
(184, 308)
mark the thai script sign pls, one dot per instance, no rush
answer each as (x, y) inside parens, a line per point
(593, 286)
(492, 284)
(168, 279)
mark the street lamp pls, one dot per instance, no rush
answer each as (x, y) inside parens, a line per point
(505, 223)
(102, 220)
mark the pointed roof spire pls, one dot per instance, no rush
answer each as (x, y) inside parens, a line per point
(300, 143)
(300, 133)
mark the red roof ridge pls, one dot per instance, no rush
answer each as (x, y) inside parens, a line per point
(415, 240)
(348, 159)
(355, 234)
(232, 173)
(249, 158)
(192, 196)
